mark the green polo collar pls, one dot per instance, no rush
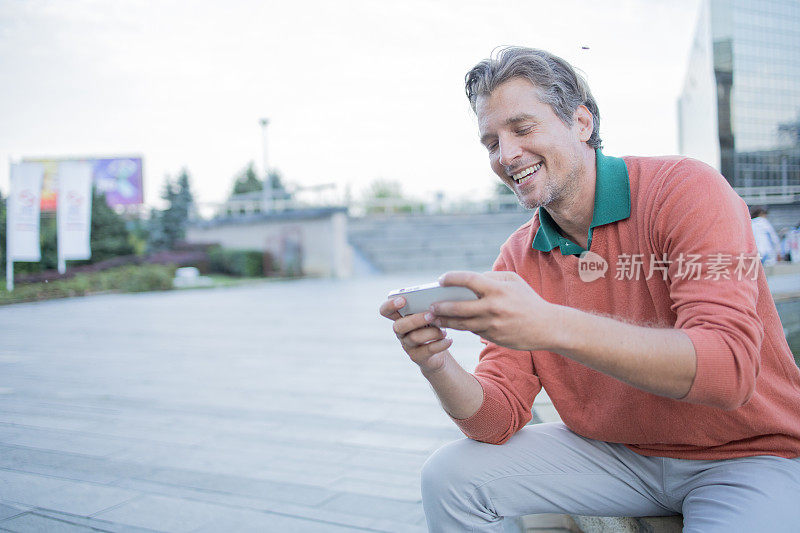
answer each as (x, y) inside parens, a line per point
(612, 203)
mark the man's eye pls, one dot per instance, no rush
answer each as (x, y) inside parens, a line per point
(491, 147)
(524, 131)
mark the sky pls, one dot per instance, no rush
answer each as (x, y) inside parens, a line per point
(355, 90)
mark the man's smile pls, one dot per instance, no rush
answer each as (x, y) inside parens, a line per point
(525, 175)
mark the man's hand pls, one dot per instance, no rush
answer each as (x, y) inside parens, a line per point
(424, 343)
(508, 312)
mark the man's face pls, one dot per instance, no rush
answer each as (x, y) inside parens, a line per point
(532, 151)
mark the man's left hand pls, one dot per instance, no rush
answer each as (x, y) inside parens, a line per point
(508, 311)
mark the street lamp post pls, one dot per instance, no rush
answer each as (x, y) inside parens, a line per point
(266, 199)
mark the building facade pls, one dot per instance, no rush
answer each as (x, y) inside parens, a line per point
(739, 110)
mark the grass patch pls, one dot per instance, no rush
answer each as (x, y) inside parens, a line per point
(131, 278)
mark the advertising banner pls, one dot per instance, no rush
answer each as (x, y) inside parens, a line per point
(74, 213)
(119, 178)
(22, 223)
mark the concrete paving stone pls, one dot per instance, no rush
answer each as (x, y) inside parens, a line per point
(99, 470)
(36, 523)
(391, 477)
(260, 522)
(409, 492)
(393, 461)
(83, 498)
(94, 523)
(399, 427)
(64, 465)
(290, 492)
(376, 507)
(265, 505)
(7, 511)
(45, 421)
(26, 489)
(164, 513)
(62, 472)
(307, 464)
(58, 440)
(152, 453)
(391, 441)
(308, 477)
(11, 455)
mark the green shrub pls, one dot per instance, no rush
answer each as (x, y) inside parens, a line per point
(130, 278)
(243, 263)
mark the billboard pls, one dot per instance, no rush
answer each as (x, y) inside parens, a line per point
(119, 178)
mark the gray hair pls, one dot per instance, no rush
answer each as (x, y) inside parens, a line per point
(559, 85)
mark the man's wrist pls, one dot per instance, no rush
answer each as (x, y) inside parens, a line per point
(554, 334)
(429, 373)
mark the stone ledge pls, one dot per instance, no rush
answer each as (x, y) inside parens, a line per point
(615, 524)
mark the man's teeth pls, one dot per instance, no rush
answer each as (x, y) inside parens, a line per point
(528, 171)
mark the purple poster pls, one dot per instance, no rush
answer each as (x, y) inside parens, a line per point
(120, 179)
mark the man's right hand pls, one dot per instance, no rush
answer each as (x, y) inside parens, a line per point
(424, 343)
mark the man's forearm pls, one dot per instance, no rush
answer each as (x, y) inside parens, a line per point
(661, 361)
(459, 392)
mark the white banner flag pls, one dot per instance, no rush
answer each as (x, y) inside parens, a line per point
(74, 209)
(22, 220)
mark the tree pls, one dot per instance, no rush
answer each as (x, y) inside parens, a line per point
(387, 196)
(247, 181)
(110, 236)
(279, 191)
(168, 227)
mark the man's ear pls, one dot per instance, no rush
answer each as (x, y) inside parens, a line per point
(583, 119)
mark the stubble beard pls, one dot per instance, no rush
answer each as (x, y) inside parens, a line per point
(556, 191)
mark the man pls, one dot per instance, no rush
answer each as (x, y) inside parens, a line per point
(677, 390)
(767, 241)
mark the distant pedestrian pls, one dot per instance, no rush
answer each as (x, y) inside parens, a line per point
(791, 245)
(767, 240)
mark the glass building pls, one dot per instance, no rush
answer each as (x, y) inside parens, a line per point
(739, 110)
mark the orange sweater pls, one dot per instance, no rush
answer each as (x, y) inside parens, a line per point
(745, 399)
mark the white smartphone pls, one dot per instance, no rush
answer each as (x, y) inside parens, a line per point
(421, 297)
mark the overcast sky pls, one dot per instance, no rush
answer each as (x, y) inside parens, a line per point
(354, 90)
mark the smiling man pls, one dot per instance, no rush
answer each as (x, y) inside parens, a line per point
(671, 373)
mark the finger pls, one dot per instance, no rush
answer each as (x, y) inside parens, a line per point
(389, 308)
(462, 324)
(422, 336)
(423, 352)
(459, 309)
(408, 323)
(478, 283)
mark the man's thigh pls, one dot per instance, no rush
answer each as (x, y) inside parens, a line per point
(748, 494)
(545, 468)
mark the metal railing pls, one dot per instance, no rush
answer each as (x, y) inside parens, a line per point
(776, 194)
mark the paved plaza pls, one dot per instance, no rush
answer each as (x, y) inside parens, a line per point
(283, 406)
(277, 406)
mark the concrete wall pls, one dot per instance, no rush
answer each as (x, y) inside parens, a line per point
(315, 237)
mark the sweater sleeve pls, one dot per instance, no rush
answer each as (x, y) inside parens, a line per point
(510, 384)
(700, 219)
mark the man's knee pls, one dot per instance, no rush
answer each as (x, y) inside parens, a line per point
(440, 468)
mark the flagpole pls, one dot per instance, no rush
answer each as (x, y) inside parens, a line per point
(9, 261)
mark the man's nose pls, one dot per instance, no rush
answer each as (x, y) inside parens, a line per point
(510, 150)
